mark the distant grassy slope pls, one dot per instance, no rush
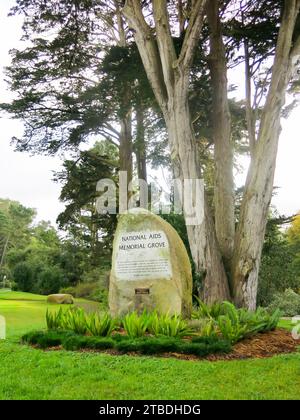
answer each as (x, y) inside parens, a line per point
(8, 295)
(26, 311)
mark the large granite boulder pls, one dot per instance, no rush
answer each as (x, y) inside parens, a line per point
(60, 298)
(150, 267)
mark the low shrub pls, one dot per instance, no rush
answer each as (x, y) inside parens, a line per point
(54, 319)
(136, 325)
(88, 290)
(232, 323)
(201, 346)
(147, 345)
(46, 339)
(74, 319)
(287, 302)
(100, 325)
(167, 325)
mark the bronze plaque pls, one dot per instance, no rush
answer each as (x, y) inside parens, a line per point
(142, 291)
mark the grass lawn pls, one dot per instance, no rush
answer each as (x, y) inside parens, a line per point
(26, 373)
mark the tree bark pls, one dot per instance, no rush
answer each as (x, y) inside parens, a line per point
(125, 149)
(202, 237)
(169, 78)
(259, 184)
(140, 146)
(221, 123)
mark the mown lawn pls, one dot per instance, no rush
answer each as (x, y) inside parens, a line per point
(27, 373)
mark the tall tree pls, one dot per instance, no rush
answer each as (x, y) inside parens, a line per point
(168, 73)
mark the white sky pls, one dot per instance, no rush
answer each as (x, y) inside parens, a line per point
(29, 179)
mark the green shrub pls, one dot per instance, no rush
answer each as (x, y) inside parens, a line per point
(208, 328)
(167, 325)
(202, 349)
(230, 330)
(23, 276)
(136, 325)
(75, 342)
(74, 319)
(88, 290)
(200, 346)
(147, 345)
(45, 339)
(156, 345)
(32, 337)
(100, 325)
(232, 323)
(49, 280)
(78, 342)
(54, 319)
(287, 302)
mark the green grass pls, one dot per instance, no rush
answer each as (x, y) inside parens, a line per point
(8, 295)
(27, 373)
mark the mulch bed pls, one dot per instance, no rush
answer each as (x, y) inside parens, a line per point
(260, 346)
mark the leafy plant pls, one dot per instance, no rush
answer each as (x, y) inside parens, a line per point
(231, 330)
(101, 326)
(54, 319)
(74, 319)
(288, 302)
(209, 328)
(136, 325)
(200, 346)
(170, 326)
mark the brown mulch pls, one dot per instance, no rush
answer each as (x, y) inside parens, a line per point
(260, 346)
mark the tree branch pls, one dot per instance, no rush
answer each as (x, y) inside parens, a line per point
(165, 43)
(148, 50)
(192, 35)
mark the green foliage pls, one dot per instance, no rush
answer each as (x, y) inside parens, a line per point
(54, 319)
(208, 328)
(81, 342)
(74, 319)
(45, 340)
(231, 330)
(50, 280)
(91, 291)
(167, 325)
(23, 276)
(206, 311)
(279, 269)
(146, 345)
(287, 302)
(136, 325)
(100, 325)
(232, 323)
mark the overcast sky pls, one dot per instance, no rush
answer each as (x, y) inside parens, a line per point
(29, 179)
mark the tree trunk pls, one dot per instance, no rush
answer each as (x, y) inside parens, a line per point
(202, 237)
(259, 185)
(169, 78)
(125, 149)
(140, 145)
(4, 251)
(221, 122)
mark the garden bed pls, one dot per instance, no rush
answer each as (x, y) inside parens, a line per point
(216, 332)
(260, 345)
